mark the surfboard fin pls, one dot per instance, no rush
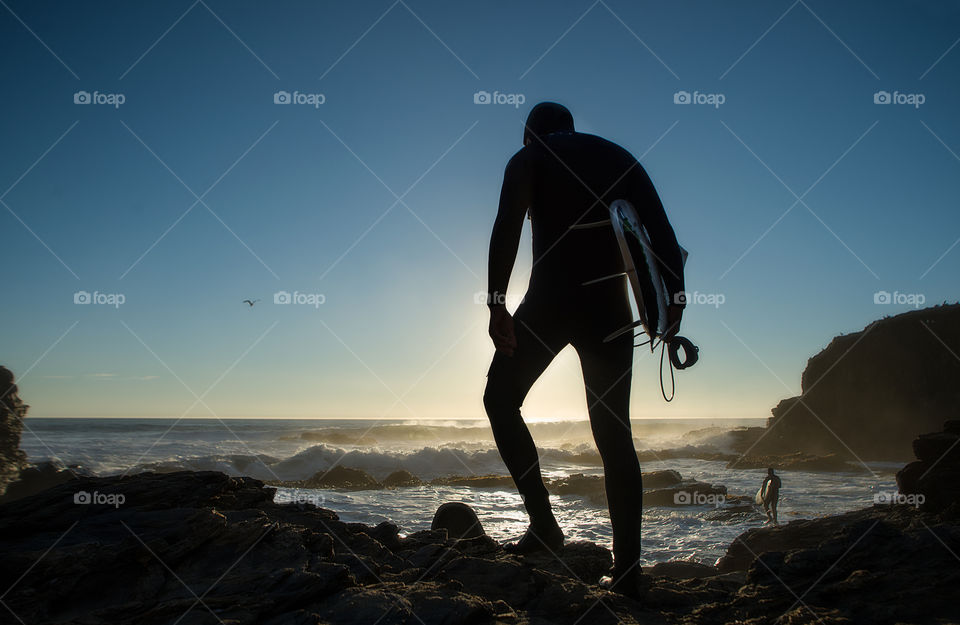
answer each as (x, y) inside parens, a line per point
(622, 331)
(610, 277)
(592, 224)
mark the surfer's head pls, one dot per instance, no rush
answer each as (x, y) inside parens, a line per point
(545, 118)
(769, 470)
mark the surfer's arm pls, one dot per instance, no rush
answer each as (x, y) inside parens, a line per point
(662, 237)
(515, 196)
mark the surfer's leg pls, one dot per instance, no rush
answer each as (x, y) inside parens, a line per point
(607, 371)
(508, 382)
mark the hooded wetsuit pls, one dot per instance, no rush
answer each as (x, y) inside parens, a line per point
(562, 178)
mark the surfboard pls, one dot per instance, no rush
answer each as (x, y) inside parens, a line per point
(641, 268)
(763, 493)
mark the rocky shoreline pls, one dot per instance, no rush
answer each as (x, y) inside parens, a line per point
(152, 548)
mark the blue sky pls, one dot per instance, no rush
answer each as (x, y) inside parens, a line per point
(199, 191)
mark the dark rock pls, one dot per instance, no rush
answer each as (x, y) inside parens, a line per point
(934, 479)
(589, 486)
(682, 569)
(458, 519)
(869, 393)
(661, 479)
(685, 494)
(386, 533)
(401, 478)
(38, 477)
(12, 413)
(798, 461)
(342, 477)
(474, 481)
(507, 580)
(583, 560)
(174, 537)
(939, 447)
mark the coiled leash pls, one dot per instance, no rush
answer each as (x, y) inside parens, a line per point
(691, 354)
(648, 287)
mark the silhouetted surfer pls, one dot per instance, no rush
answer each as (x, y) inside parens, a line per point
(562, 177)
(770, 490)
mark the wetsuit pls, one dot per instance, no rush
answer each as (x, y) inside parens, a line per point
(565, 178)
(773, 496)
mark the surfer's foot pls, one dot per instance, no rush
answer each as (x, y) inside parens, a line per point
(537, 539)
(628, 584)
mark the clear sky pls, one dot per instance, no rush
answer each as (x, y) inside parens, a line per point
(183, 188)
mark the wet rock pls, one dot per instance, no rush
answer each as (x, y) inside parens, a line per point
(475, 481)
(798, 461)
(401, 478)
(38, 477)
(687, 493)
(146, 557)
(682, 569)
(459, 519)
(342, 477)
(934, 478)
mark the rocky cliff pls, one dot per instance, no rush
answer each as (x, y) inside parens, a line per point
(869, 393)
(12, 412)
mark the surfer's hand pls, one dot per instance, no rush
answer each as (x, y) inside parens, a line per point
(674, 315)
(501, 330)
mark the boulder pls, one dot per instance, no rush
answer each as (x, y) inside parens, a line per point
(934, 478)
(400, 479)
(342, 477)
(459, 519)
(38, 477)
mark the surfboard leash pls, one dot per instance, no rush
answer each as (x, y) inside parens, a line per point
(691, 353)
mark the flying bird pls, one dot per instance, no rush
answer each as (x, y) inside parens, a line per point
(250, 301)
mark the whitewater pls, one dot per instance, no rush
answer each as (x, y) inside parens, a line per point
(296, 449)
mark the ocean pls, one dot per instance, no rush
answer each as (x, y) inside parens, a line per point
(293, 449)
